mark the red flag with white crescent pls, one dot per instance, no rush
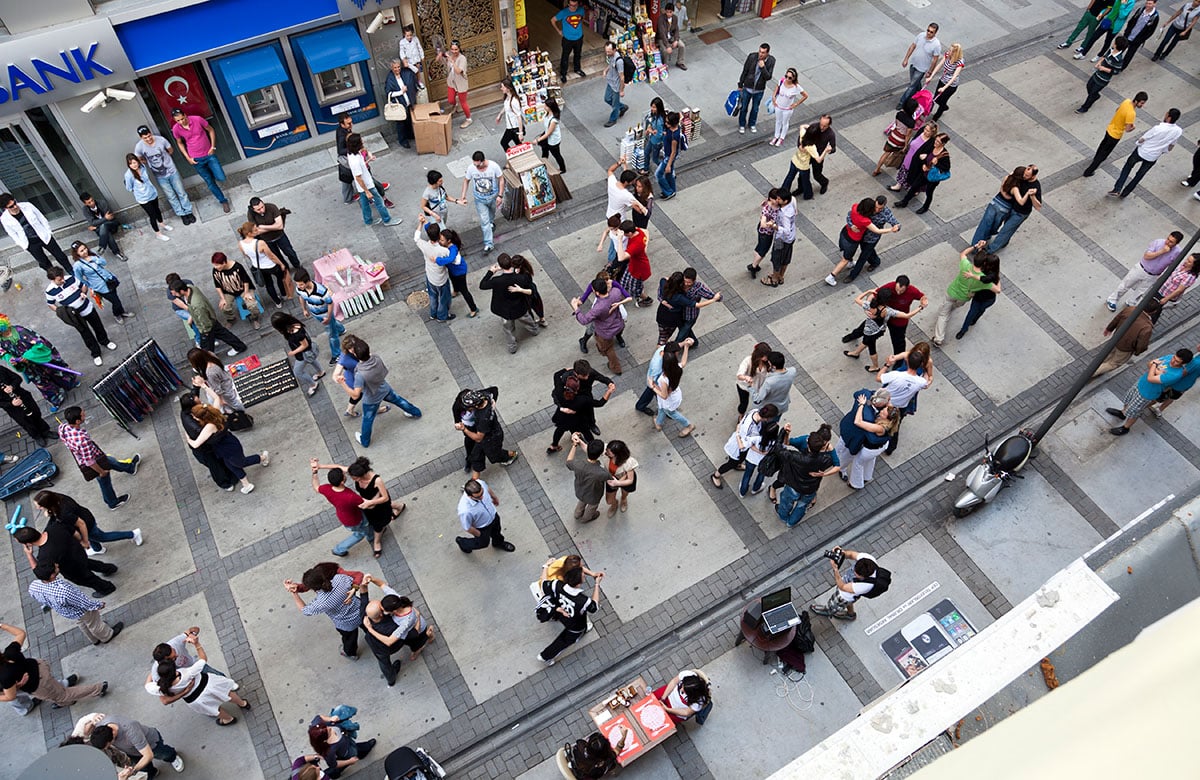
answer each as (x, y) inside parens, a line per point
(180, 87)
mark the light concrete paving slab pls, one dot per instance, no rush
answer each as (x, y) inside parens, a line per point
(24, 736)
(1019, 555)
(238, 520)
(821, 71)
(757, 725)
(151, 507)
(812, 335)
(205, 747)
(522, 392)
(1094, 214)
(655, 765)
(995, 338)
(1059, 97)
(297, 656)
(513, 634)
(1062, 282)
(1170, 89)
(1008, 149)
(1105, 466)
(647, 537)
(877, 39)
(915, 566)
(694, 88)
(958, 22)
(398, 338)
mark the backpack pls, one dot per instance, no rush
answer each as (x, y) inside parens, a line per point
(882, 581)
(630, 70)
(769, 465)
(804, 642)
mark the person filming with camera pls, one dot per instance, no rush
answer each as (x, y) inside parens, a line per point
(868, 580)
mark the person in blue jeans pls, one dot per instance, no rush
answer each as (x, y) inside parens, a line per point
(317, 302)
(358, 159)
(801, 468)
(487, 182)
(1020, 193)
(370, 385)
(614, 83)
(61, 508)
(653, 372)
(757, 72)
(198, 142)
(345, 505)
(672, 146)
(91, 459)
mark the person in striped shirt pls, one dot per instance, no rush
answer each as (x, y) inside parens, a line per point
(317, 302)
(70, 301)
(51, 590)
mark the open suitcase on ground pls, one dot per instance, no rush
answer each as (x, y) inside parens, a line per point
(34, 470)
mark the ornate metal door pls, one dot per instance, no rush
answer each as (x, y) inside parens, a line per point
(475, 24)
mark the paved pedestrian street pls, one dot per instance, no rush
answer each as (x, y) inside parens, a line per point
(685, 558)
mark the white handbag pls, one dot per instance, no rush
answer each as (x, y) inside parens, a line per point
(394, 110)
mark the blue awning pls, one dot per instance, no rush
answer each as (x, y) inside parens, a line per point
(332, 48)
(250, 70)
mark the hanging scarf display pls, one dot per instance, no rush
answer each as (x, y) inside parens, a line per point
(131, 389)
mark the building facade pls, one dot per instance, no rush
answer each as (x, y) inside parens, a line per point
(271, 78)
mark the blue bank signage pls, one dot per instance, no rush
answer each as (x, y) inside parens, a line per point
(63, 62)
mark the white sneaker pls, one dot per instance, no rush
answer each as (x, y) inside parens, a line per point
(1184, 183)
(177, 764)
(754, 128)
(358, 437)
(137, 537)
(98, 360)
(543, 660)
(247, 490)
(231, 352)
(1078, 55)
(161, 237)
(829, 280)
(741, 131)
(1196, 194)
(165, 226)
(112, 345)
(1096, 58)
(264, 459)
(91, 553)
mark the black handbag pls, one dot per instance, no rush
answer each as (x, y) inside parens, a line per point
(239, 420)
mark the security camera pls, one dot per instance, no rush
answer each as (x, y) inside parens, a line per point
(376, 23)
(120, 94)
(99, 101)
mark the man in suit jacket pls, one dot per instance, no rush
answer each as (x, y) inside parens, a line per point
(1141, 25)
(103, 222)
(668, 36)
(757, 72)
(28, 229)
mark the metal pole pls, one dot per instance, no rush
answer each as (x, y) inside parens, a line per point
(1086, 375)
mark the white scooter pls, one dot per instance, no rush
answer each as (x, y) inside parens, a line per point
(998, 469)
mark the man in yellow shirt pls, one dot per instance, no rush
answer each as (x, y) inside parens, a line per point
(1122, 123)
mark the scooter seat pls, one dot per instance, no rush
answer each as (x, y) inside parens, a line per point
(1012, 452)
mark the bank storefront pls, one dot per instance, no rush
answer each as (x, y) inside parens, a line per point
(270, 77)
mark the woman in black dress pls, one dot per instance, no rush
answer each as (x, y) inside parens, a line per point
(204, 454)
(377, 505)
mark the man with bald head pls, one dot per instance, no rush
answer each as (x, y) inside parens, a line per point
(390, 623)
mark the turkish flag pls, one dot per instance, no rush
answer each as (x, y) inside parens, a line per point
(180, 87)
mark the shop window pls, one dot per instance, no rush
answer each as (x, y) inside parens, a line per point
(264, 106)
(339, 84)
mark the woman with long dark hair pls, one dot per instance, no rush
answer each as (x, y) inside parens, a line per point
(656, 129)
(302, 349)
(137, 181)
(204, 454)
(377, 503)
(752, 430)
(802, 160)
(212, 375)
(574, 411)
(750, 373)
(92, 272)
(202, 692)
(457, 268)
(930, 168)
(913, 146)
(512, 115)
(623, 480)
(874, 303)
(672, 300)
(670, 396)
(551, 138)
(687, 695)
(339, 749)
(225, 445)
(262, 258)
(522, 266)
(643, 190)
(61, 508)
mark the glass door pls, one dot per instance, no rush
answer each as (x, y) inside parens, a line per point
(24, 173)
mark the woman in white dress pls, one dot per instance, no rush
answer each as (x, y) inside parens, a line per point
(201, 691)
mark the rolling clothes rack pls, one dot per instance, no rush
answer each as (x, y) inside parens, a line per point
(130, 390)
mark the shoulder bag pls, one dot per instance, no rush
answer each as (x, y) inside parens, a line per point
(394, 110)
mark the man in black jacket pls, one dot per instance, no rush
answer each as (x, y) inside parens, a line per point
(1139, 27)
(757, 72)
(103, 222)
(800, 472)
(510, 298)
(587, 377)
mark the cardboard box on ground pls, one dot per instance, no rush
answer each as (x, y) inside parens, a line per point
(432, 129)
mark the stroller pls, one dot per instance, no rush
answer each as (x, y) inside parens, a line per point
(411, 764)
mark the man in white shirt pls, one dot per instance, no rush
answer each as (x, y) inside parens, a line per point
(1156, 142)
(437, 277)
(486, 180)
(921, 59)
(904, 386)
(28, 229)
(621, 200)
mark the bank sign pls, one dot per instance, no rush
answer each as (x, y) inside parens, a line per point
(63, 62)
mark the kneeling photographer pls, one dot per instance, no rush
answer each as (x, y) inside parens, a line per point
(868, 580)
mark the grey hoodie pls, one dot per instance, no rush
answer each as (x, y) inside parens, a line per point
(775, 389)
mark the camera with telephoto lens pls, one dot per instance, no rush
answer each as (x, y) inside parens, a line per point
(836, 555)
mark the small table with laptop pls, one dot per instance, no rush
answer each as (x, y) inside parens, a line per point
(634, 712)
(769, 624)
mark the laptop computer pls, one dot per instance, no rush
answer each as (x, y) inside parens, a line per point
(778, 612)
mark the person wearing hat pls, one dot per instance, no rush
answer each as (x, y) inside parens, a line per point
(198, 142)
(479, 518)
(864, 434)
(155, 153)
(486, 433)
